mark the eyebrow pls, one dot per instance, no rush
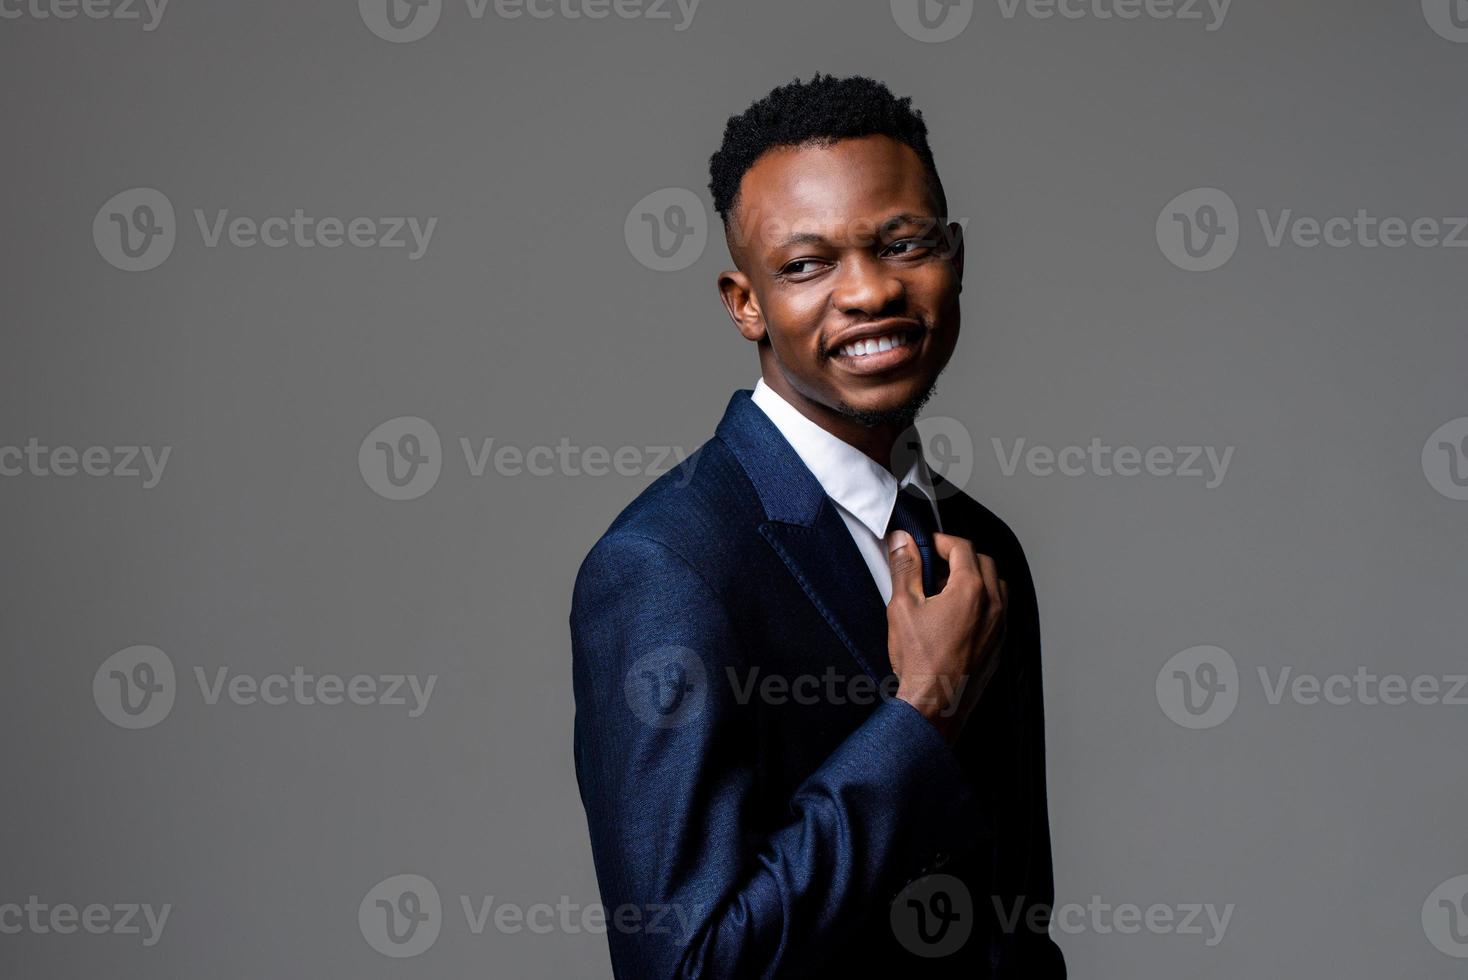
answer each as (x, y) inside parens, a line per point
(896, 220)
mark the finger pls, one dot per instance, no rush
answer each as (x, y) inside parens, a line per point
(990, 574)
(1001, 626)
(905, 564)
(957, 552)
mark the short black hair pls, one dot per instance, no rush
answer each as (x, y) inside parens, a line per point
(820, 111)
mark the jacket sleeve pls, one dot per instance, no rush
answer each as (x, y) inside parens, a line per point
(665, 765)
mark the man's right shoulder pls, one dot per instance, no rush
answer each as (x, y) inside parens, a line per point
(698, 513)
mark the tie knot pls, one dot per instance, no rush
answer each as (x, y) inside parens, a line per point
(913, 513)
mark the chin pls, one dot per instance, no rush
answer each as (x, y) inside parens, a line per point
(899, 408)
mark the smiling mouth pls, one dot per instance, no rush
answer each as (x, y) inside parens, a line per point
(875, 345)
(875, 355)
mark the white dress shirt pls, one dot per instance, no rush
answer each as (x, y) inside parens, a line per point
(863, 491)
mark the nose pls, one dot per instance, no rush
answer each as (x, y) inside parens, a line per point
(865, 288)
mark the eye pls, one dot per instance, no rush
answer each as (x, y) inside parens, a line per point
(906, 247)
(800, 268)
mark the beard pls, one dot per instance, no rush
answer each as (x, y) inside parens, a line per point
(899, 416)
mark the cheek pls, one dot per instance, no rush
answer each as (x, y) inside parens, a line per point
(794, 320)
(934, 286)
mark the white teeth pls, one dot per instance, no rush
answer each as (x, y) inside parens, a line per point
(861, 348)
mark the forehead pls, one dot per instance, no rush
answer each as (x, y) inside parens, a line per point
(822, 186)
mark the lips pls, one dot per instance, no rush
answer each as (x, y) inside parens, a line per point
(877, 347)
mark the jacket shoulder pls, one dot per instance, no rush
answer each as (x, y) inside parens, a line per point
(694, 511)
(982, 525)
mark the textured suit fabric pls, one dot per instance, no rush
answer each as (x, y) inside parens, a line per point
(769, 832)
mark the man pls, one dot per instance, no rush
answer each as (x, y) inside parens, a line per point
(782, 777)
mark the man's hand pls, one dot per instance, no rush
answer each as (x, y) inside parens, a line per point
(944, 648)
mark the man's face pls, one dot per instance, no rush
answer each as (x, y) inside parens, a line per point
(848, 276)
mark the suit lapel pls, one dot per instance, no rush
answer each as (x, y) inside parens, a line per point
(828, 566)
(805, 530)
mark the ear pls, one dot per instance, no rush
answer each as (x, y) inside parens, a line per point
(955, 236)
(738, 296)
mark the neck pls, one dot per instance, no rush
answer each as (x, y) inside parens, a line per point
(875, 442)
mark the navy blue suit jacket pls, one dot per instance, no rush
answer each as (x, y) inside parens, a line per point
(749, 827)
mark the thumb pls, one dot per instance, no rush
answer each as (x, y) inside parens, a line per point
(905, 564)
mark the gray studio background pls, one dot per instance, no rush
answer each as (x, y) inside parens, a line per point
(1335, 541)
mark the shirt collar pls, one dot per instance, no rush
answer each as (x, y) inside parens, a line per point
(850, 477)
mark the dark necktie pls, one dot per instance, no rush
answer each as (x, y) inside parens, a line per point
(914, 514)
